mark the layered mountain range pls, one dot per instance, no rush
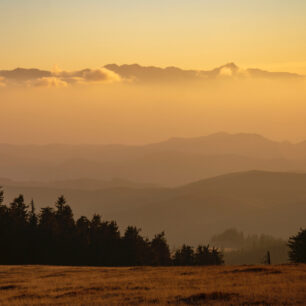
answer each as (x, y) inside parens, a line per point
(180, 185)
(255, 202)
(170, 163)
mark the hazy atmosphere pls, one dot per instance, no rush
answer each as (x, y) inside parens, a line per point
(153, 134)
(223, 59)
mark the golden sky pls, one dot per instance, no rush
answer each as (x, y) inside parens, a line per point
(198, 34)
(139, 114)
(99, 106)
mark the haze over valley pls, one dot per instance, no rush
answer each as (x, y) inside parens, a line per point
(192, 188)
(153, 152)
(172, 162)
(128, 142)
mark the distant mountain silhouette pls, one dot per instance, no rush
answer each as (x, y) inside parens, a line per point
(24, 74)
(156, 74)
(254, 201)
(170, 163)
(76, 184)
(138, 73)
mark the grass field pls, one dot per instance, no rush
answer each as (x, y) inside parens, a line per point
(227, 285)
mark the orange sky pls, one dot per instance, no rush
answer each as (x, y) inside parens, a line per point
(100, 106)
(75, 34)
(128, 113)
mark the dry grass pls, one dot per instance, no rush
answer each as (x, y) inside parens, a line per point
(244, 285)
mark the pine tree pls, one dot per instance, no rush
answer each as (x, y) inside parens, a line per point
(1, 196)
(19, 210)
(297, 245)
(32, 216)
(160, 250)
(136, 248)
(184, 256)
(60, 204)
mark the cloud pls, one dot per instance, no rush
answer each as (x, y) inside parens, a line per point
(225, 71)
(87, 76)
(48, 82)
(176, 75)
(134, 74)
(101, 75)
(229, 71)
(57, 77)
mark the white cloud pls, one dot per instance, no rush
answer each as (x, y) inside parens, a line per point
(101, 75)
(226, 72)
(87, 76)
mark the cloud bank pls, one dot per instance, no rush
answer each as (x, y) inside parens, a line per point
(57, 78)
(134, 74)
(173, 74)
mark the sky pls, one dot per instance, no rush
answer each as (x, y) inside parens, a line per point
(198, 34)
(71, 105)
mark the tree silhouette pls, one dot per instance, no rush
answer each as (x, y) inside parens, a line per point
(184, 256)
(83, 239)
(18, 210)
(32, 216)
(1, 195)
(53, 237)
(204, 255)
(64, 232)
(136, 248)
(160, 250)
(60, 204)
(297, 246)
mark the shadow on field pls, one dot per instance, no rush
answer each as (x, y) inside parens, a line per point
(188, 273)
(8, 287)
(255, 270)
(197, 299)
(26, 296)
(53, 275)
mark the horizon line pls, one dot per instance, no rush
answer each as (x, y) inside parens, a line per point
(229, 134)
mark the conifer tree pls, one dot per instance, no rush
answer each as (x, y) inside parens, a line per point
(297, 245)
(1, 196)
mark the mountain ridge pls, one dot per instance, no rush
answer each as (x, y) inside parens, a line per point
(254, 201)
(141, 73)
(172, 162)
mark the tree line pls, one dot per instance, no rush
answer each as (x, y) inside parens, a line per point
(54, 237)
(297, 246)
(240, 248)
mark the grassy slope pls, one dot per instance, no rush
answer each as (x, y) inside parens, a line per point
(244, 285)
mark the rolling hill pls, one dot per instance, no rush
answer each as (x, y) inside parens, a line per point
(173, 162)
(254, 201)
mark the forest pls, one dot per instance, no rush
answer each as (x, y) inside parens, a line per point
(54, 237)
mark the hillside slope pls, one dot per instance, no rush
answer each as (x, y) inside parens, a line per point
(173, 162)
(255, 202)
